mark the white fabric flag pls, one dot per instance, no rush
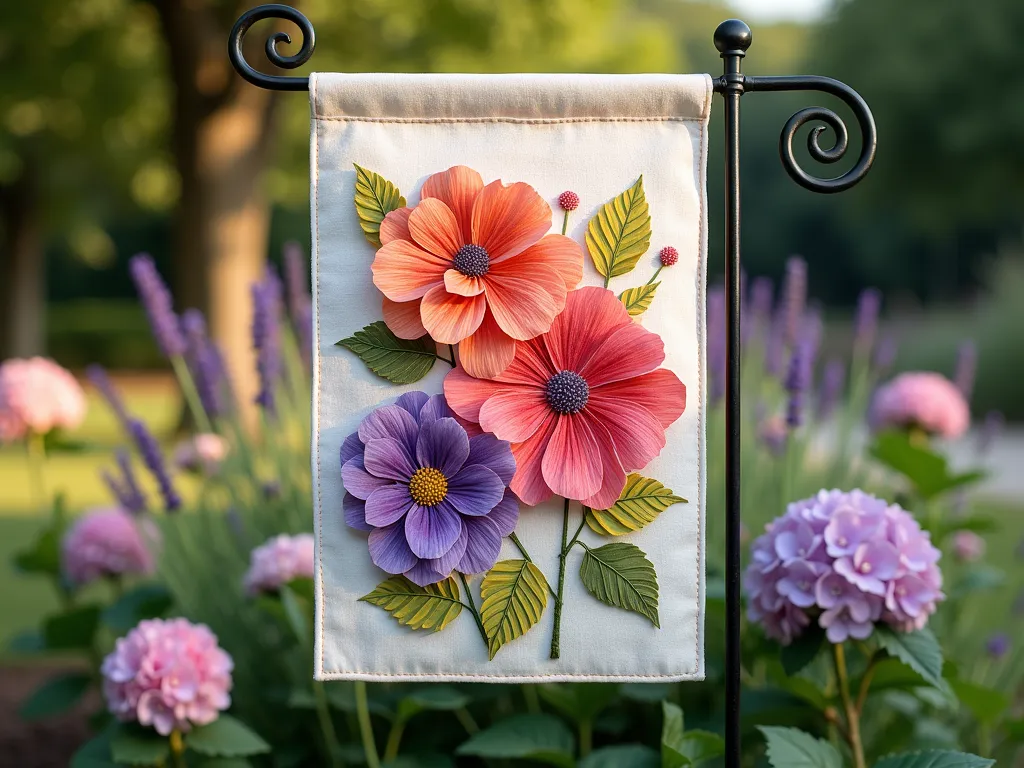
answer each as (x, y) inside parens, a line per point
(437, 208)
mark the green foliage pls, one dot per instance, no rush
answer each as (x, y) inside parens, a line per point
(147, 601)
(934, 759)
(375, 198)
(581, 702)
(927, 470)
(400, 361)
(622, 756)
(792, 748)
(681, 748)
(620, 575)
(641, 501)
(539, 738)
(638, 300)
(432, 608)
(56, 696)
(918, 650)
(72, 630)
(620, 232)
(135, 745)
(226, 737)
(802, 651)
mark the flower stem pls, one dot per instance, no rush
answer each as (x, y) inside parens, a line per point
(177, 749)
(852, 715)
(655, 275)
(188, 389)
(394, 739)
(472, 608)
(323, 714)
(607, 279)
(565, 222)
(35, 450)
(466, 720)
(365, 726)
(531, 697)
(586, 737)
(557, 631)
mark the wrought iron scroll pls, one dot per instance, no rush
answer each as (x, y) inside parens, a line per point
(732, 39)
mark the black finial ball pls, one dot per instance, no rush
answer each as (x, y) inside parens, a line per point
(732, 36)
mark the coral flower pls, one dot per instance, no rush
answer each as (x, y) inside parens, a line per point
(582, 404)
(473, 264)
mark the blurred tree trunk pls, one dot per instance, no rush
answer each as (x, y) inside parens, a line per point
(223, 129)
(22, 273)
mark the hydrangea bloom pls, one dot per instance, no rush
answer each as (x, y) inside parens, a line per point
(846, 561)
(37, 395)
(432, 499)
(201, 453)
(105, 542)
(968, 546)
(278, 561)
(924, 400)
(167, 673)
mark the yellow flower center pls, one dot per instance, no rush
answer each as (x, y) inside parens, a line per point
(428, 486)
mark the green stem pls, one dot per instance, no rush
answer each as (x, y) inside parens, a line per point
(656, 273)
(177, 750)
(565, 222)
(467, 721)
(607, 279)
(365, 726)
(532, 699)
(852, 715)
(323, 714)
(188, 389)
(579, 530)
(472, 608)
(35, 449)
(557, 631)
(394, 739)
(586, 737)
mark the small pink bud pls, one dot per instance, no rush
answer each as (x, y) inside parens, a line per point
(668, 256)
(569, 201)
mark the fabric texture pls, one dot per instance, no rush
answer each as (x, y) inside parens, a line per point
(594, 135)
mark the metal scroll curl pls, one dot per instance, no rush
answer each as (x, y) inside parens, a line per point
(273, 82)
(825, 155)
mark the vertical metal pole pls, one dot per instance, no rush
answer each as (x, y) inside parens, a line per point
(732, 38)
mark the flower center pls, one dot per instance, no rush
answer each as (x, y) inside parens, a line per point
(865, 567)
(472, 260)
(428, 486)
(567, 392)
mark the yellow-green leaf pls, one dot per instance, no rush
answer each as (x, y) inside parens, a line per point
(432, 607)
(620, 232)
(514, 594)
(620, 575)
(375, 198)
(638, 300)
(400, 361)
(641, 501)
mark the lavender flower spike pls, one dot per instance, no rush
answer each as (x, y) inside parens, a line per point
(134, 500)
(300, 303)
(266, 338)
(98, 377)
(149, 449)
(866, 324)
(797, 383)
(794, 297)
(156, 299)
(832, 381)
(204, 363)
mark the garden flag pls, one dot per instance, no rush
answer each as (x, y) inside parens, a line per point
(509, 377)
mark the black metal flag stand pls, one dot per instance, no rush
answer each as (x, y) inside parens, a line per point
(732, 39)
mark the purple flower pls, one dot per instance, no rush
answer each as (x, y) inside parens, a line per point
(885, 355)
(846, 561)
(998, 645)
(798, 381)
(794, 297)
(153, 458)
(968, 547)
(205, 364)
(126, 490)
(156, 300)
(866, 324)
(775, 348)
(758, 316)
(98, 377)
(966, 367)
(300, 304)
(433, 499)
(832, 380)
(266, 338)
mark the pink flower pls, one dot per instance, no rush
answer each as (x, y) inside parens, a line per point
(278, 561)
(37, 395)
(922, 400)
(845, 561)
(569, 201)
(167, 673)
(668, 256)
(582, 404)
(968, 546)
(201, 453)
(106, 542)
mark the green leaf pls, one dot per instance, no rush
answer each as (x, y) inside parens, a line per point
(802, 650)
(43, 557)
(73, 629)
(400, 361)
(986, 704)
(427, 760)
(935, 758)
(980, 578)
(226, 737)
(514, 595)
(149, 601)
(299, 613)
(641, 501)
(95, 753)
(622, 756)
(927, 471)
(55, 696)
(432, 607)
(375, 198)
(582, 702)
(792, 748)
(620, 232)
(638, 300)
(541, 738)
(226, 762)
(918, 650)
(672, 736)
(28, 642)
(620, 575)
(442, 698)
(700, 746)
(134, 745)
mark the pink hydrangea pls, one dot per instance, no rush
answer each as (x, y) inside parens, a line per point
(167, 673)
(278, 561)
(37, 395)
(924, 400)
(106, 542)
(968, 546)
(201, 453)
(845, 561)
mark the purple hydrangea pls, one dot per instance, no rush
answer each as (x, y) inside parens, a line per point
(845, 561)
(432, 499)
(156, 299)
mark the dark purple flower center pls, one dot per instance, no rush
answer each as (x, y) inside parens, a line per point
(428, 486)
(472, 260)
(567, 392)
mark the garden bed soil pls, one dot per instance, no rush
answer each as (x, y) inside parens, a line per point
(46, 743)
